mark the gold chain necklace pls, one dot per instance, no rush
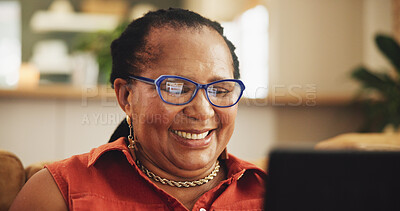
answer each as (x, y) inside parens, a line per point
(185, 184)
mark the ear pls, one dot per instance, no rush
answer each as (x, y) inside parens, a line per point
(122, 91)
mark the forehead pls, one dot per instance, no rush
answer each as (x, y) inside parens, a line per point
(190, 52)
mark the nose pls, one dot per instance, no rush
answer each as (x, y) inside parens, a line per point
(199, 108)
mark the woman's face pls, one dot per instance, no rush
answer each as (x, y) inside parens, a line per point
(202, 56)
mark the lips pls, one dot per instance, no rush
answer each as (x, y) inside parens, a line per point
(194, 136)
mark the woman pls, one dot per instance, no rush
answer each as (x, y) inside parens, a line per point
(175, 76)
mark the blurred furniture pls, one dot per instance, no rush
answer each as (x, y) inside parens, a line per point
(13, 176)
(362, 141)
(333, 180)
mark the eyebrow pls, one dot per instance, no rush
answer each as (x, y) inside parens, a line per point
(216, 78)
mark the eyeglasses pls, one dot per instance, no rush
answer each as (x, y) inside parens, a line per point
(176, 90)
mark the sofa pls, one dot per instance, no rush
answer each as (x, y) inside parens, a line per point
(13, 176)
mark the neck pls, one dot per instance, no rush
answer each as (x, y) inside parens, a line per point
(187, 196)
(180, 184)
(169, 170)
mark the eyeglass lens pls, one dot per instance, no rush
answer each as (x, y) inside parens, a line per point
(179, 91)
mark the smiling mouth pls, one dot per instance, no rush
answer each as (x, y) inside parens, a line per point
(193, 136)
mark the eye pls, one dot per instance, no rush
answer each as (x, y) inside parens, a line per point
(175, 88)
(218, 91)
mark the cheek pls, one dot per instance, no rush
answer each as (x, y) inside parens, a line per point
(228, 115)
(152, 115)
(227, 118)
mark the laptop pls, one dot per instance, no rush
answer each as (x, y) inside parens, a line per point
(332, 181)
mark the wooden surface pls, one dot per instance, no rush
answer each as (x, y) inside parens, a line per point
(59, 92)
(102, 92)
(362, 141)
(286, 99)
(396, 19)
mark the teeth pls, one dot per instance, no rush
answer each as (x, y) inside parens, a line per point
(190, 135)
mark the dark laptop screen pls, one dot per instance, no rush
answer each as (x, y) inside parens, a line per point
(333, 180)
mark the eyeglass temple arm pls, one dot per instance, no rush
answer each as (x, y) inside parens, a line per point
(143, 79)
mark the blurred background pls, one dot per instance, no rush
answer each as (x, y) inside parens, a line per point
(296, 59)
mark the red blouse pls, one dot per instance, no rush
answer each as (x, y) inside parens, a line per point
(107, 178)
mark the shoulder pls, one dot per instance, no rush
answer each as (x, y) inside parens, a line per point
(81, 163)
(40, 193)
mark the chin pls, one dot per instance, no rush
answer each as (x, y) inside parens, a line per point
(196, 160)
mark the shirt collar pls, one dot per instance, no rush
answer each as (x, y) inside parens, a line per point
(117, 145)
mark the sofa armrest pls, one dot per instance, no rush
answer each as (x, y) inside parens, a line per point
(34, 168)
(12, 178)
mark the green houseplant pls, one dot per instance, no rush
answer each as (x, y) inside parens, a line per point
(380, 93)
(99, 43)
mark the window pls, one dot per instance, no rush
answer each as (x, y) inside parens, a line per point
(249, 33)
(10, 43)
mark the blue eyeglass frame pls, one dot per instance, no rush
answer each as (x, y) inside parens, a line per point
(160, 79)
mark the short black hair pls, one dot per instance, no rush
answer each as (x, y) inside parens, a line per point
(127, 50)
